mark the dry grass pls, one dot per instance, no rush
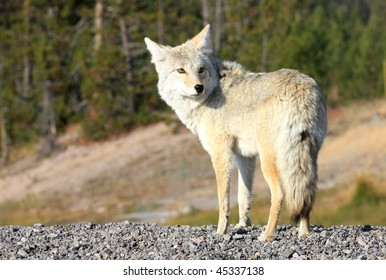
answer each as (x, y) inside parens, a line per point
(49, 209)
(363, 202)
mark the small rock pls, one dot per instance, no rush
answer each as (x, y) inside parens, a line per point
(288, 253)
(135, 233)
(89, 225)
(198, 240)
(361, 242)
(366, 228)
(62, 250)
(241, 231)
(300, 252)
(238, 236)
(76, 244)
(192, 247)
(223, 247)
(22, 253)
(227, 237)
(14, 229)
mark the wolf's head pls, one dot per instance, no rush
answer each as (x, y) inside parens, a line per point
(185, 71)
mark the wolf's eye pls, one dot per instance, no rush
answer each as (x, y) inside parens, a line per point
(201, 70)
(181, 70)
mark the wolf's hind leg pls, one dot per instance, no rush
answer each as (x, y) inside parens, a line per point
(246, 167)
(271, 175)
(304, 225)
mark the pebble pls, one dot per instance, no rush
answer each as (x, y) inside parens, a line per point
(361, 241)
(238, 236)
(288, 253)
(139, 241)
(22, 253)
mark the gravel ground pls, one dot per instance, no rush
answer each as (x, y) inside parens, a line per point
(130, 240)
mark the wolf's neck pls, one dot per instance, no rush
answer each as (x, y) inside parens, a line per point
(190, 118)
(185, 108)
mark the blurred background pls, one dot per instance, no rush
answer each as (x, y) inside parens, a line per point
(85, 137)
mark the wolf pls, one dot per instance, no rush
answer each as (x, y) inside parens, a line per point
(279, 117)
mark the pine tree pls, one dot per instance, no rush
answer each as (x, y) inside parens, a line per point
(84, 61)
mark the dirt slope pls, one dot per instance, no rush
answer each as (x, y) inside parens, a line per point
(159, 173)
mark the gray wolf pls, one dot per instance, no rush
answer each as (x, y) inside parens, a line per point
(279, 117)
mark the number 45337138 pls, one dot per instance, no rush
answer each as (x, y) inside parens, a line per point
(240, 270)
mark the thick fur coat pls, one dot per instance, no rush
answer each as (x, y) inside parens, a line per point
(279, 116)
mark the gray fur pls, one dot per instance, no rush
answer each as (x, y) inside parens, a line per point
(280, 115)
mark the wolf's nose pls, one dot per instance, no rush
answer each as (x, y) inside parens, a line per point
(199, 88)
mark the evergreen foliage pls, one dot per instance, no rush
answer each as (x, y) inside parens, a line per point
(53, 74)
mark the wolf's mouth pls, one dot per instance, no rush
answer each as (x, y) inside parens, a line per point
(196, 94)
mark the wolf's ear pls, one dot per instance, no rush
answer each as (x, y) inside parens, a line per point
(202, 41)
(158, 52)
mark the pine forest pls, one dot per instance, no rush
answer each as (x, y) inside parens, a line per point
(84, 62)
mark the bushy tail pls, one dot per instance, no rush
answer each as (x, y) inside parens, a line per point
(297, 164)
(303, 121)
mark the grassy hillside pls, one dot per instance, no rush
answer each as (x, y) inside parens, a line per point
(158, 169)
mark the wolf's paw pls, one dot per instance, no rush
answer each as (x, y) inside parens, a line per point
(303, 234)
(266, 237)
(243, 224)
(221, 231)
(303, 231)
(222, 226)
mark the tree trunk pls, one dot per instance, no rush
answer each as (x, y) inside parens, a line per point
(49, 133)
(384, 76)
(218, 27)
(205, 12)
(26, 59)
(47, 118)
(3, 126)
(26, 76)
(160, 19)
(98, 21)
(264, 52)
(4, 137)
(129, 72)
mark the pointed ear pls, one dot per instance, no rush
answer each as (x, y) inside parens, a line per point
(157, 51)
(202, 41)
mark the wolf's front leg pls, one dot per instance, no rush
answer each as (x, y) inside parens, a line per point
(221, 155)
(221, 164)
(218, 144)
